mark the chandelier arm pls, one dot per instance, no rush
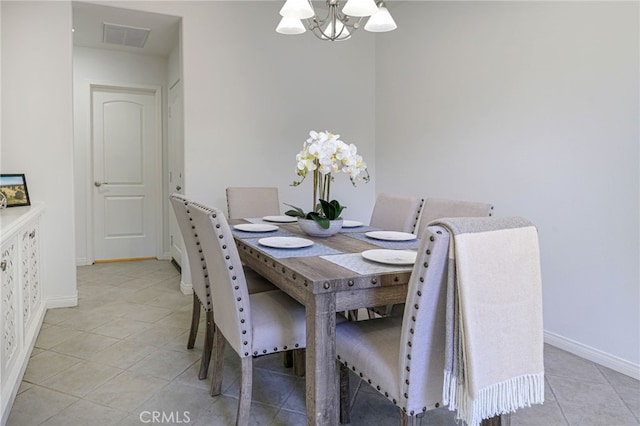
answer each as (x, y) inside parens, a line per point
(312, 23)
(318, 36)
(355, 25)
(315, 24)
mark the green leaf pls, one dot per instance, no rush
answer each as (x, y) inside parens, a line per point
(332, 210)
(320, 220)
(296, 212)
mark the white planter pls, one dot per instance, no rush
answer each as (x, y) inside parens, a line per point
(311, 227)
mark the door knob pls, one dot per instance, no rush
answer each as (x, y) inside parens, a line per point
(97, 184)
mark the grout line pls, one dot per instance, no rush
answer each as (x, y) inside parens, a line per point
(600, 367)
(555, 398)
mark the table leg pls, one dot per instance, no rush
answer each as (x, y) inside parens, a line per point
(321, 368)
(504, 420)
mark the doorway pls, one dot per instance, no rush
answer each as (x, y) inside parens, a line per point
(126, 146)
(121, 212)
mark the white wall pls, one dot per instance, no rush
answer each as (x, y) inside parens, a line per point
(37, 131)
(98, 66)
(263, 93)
(252, 95)
(532, 106)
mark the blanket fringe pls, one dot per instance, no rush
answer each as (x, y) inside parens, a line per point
(499, 398)
(449, 390)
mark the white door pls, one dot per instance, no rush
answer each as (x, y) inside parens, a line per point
(176, 164)
(126, 172)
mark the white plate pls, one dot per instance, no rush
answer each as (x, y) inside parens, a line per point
(391, 235)
(285, 242)
(255, 227)
(280, 219)
(351, 223)
(391, 257)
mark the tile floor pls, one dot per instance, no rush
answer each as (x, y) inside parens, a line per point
(120, 356)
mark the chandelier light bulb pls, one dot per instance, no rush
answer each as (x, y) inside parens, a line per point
(360, 8)
(381, 21)
(298, 9)
(290, 26)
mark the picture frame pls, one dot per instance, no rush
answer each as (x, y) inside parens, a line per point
(14, 187)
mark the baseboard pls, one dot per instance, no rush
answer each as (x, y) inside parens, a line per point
(83, 261)
(592, 354)
(186, 289)
(62, 302)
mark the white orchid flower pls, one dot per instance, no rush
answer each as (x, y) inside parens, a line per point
(323, 153)
(324, 169)
(306, 165)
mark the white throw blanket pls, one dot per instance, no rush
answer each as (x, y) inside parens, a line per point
(494, 346)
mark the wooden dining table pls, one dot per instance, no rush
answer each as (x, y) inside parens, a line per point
(324, 288)
(317, 279)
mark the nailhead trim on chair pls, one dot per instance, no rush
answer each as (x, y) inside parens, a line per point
(206, 305)
(421, 280)
(407, 368)
(415, 224)
(227, 258)
(239, 304)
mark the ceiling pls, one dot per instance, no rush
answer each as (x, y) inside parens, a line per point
(89, 19)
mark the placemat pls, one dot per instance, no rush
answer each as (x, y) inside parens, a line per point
(277, 233)
(262, 221)
(363, 228)
(356, 263)
(394, 245)
(283, 253)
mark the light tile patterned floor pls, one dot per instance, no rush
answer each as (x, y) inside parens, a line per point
(120, 356)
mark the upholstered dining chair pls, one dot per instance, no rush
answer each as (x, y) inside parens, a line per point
(200, 280)
(436, 208)
(253, 324)
(393, 212)
(254, 201)
(402, 357)
(247, 201)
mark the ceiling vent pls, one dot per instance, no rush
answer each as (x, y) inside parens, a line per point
(124, 36)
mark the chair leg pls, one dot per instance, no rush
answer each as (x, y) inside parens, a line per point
(345, 406)
(208, 346)
(299, 362)
(498, 420)
(287, 359)
(244, 402)
(218, 361)
(406, 420)
(195, 320)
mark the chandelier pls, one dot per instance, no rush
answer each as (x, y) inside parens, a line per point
(337, 25)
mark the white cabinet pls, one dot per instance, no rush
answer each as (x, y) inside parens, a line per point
(21, 297)
(9, 291)
(29, 241)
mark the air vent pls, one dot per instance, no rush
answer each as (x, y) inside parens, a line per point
(124, 36)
